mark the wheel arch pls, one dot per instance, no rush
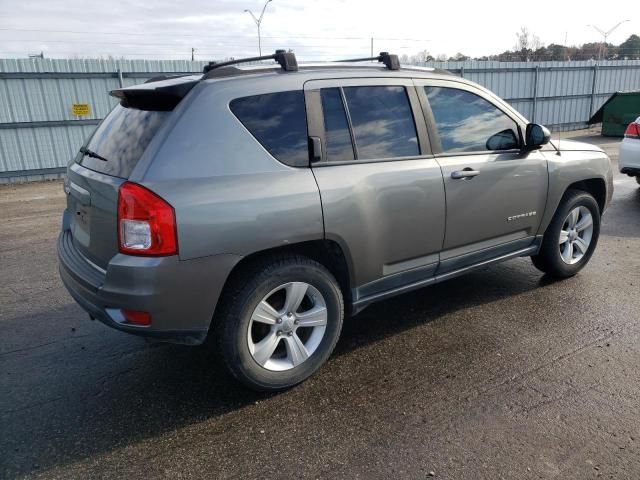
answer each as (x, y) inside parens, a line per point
(594, 186)
(326, 252)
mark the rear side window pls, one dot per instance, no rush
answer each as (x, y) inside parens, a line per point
(336, 128)
(279, 122)
(467, 122)
(382, 122)
(122, 138)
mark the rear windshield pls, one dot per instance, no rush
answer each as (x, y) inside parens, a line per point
(122, 138)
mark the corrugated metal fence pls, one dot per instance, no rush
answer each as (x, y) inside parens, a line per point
(39, 132)
(560, 95)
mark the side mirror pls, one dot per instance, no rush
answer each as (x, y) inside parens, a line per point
(536, 136)
(504, 140)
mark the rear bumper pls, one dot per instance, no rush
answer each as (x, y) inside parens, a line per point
(631, 171)
(180, 295)
(629, 158)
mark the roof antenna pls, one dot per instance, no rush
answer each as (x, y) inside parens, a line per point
(558, 147)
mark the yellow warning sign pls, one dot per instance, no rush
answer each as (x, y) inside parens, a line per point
(80, 109)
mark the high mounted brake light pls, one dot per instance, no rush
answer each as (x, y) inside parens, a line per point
(146, 223)
(161, 94)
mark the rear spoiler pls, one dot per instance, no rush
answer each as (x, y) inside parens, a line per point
(161, 94)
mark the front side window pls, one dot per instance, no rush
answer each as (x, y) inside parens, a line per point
(279, 122)
(382, 122)
(467, 122)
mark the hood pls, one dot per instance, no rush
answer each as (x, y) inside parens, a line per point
(574, 146)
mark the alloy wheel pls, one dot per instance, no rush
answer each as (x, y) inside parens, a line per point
(576, 234)
(287, 326)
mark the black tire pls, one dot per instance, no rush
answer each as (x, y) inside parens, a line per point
(548, 260)
(241, 298)
(638, 179)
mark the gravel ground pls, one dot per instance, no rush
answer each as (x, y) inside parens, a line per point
(502, 373)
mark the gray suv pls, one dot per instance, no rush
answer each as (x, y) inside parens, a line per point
(256, 206)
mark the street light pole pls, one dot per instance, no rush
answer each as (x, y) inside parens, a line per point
(258, 21)
(605, 35)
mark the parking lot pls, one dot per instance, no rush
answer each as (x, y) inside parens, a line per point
(502, 373)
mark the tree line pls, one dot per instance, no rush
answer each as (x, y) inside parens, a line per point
(529, 48)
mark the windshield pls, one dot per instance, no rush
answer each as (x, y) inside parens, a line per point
(121, 139)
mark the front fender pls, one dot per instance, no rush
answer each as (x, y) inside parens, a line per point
(586, 167)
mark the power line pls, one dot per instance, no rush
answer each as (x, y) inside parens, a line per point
(292, 36)
(140, 54)
(173, 44)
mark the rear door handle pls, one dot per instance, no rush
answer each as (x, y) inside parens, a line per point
(464, 173)
(316, 149)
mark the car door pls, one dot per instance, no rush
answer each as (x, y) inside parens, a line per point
(381, 189)
(495, 192)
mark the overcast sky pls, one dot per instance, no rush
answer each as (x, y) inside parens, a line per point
(315, 30)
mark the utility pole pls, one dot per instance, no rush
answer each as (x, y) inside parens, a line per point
(193, 51)
(258, 21)
(605, 35)
(371, 46)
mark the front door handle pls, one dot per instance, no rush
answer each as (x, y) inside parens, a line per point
(464, 173)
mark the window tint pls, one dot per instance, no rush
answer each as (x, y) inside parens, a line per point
(338, 139)
(469, 123)
(382, 122)
(279, 123)
(122, 138)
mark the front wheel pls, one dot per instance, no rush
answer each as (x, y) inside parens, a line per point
(571, 237)
(280, 322)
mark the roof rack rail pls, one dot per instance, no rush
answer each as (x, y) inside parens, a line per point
(287, 61)
(390, 60)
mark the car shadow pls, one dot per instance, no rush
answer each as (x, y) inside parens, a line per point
(622, 218)
(426, 305)
(97, 390)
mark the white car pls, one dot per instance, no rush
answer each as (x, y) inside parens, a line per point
(629, 160)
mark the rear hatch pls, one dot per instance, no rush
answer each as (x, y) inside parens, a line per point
(107, 160)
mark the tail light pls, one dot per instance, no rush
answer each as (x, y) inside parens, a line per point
(632, 131)
(146, 223)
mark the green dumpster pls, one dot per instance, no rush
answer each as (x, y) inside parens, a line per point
(617, 112)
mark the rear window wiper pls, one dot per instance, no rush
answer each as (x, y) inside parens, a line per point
(92, 154)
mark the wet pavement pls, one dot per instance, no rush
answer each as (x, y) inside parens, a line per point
(502, 373)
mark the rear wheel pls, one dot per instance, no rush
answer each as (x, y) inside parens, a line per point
(280, 322)
(571, 237)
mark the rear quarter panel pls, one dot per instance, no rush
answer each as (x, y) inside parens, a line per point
(230, 195)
